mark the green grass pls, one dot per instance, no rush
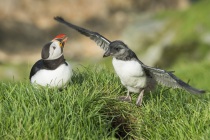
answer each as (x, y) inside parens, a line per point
(88, 109)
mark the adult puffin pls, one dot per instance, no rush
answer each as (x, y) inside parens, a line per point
(52, 70)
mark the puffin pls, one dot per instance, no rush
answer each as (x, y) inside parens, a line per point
(52, 70)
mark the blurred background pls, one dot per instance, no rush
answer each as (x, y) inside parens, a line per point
(168, 34)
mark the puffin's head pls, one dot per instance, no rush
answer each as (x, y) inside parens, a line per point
(54, 49)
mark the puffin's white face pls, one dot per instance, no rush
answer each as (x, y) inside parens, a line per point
(54, 49)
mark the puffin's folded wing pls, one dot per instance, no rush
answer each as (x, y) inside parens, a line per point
(168, 79)
(99, 39)
(36, 67)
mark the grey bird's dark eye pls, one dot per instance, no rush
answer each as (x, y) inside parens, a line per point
(117, 49)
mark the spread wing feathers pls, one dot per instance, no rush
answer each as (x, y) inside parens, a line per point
(99, 39)
(167, 78)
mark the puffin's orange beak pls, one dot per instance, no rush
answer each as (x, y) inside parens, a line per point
(63, 41)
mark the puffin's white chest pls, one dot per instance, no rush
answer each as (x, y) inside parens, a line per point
(131, 74)
(53, 78)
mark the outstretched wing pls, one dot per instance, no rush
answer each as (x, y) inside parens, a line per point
(167, 78)
(99, 39)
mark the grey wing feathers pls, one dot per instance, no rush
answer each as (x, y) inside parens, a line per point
(99, 39)
(167, 78)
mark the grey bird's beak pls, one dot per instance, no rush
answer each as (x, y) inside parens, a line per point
(107, 53)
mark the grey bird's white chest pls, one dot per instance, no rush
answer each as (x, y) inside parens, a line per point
(131, 74)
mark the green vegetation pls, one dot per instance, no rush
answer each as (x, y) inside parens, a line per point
(14, 72)
(191, 28)
(88, 109)
(190, 23)
(193, 22)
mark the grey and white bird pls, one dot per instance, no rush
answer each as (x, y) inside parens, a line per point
(52, 70)
(134, 75)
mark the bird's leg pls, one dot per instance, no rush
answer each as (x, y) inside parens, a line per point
(126, 98)
(140, 98)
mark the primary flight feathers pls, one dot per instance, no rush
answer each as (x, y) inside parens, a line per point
(99, 39)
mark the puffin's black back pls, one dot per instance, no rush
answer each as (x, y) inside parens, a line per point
(47, 64)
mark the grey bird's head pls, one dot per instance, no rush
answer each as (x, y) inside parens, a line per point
(119, 50)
